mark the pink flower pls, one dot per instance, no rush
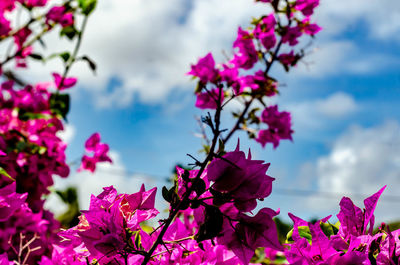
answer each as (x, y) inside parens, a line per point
(291, 35)
(7, 5)
(251, 233)
(302, 251)
(229, 74)
(279, 126)
(242, 178)
(55, 14)
(306, 6)
(92, 142)
(21, 36)
(34, 3)
(205, 69)
(65, 83)
(310, 29)
(354, 221)
(10, 201)
(265, 32)
(99, 151)
(247, 55)
(209, 100)
(268, 39)
(67, 20)
(4, 26)
(88, 163)
(288, 59)
(22, 52)
(258, 83)
(107, 228)
(389, 248)
(4, 260)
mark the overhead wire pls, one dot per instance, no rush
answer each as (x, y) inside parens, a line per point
(333, 195)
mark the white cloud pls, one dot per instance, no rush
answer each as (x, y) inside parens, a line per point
(361, 161)
(337, 105)
(317, 113)
(68, 134)
(106, 174)
(150, 55)
(326, 59)
(380, 17)
(148, 45)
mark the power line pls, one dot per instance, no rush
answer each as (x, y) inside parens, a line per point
(332, 195)
(279, 191)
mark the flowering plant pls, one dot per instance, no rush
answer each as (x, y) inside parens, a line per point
(213, 216)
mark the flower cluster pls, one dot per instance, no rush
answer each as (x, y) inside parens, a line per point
(221, 197)
(351, 241)
(31, 118)
(238, 78)
(24, 233)
(110, 229)
(23, 36)
(212, 215)
(32, 151)
(99, 150)
(278, 126)
(60, 14)
(113, 230)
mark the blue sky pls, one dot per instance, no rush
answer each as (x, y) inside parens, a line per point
(344, 100)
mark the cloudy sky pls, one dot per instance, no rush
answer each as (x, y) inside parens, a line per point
(344, 99)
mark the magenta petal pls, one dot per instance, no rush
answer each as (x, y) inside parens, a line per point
(92, 142)
(370, 205)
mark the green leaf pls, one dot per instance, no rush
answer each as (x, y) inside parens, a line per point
(4, 173)
(199, 186)
(42, 43)
(185, 175)
(42, 150)
(328, 229)
(194, 204)
(21, 146)
(221, 147)
(69, 195)
(25, 116)
(184, 204)
(212, 225)
(65, 56)
(59, 104)
(87, 6)
(165, 194)
(199, 87)
(70, 32)
(138, 240)
(91, 63)
(36, 56)
(304, 232)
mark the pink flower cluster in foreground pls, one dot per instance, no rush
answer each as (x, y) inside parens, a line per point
(23, 231)
(353, 243)
(111, 230)
(31, 118)
(32, 151)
